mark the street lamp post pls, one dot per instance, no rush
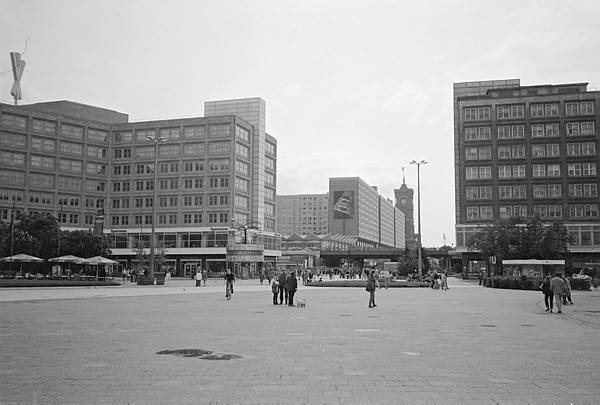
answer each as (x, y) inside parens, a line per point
(419, 247)
(156, 140)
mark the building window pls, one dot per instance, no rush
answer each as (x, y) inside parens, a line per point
(193, 149)
(579, 108)
(169, 133)
(18, 141)
(242, 134)
(587, 128)
(241, 184)
(168, 150)
(193, 167)
(583, 210)
(270, 148)
(218, 165)
(14, 121)
(218, 148)
(193, 132)
(122, 137)
(544, 110)
(219, 130)
(44, 127)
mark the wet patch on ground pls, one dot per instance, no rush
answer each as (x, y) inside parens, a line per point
(200, 354)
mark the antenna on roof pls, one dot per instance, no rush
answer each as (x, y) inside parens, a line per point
(18, 66)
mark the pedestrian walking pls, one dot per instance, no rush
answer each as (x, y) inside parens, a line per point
(282, 290)
(567, 297)
(198, 278)
(558, 287)
(372, 285)
(444, 279)
(291, 286)
(596, 283)
(275, 290)
(204, 277)
(548, 294)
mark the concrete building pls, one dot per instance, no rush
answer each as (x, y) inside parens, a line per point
(73, 160)
(357, 209)
(527, 150)
(302, 214)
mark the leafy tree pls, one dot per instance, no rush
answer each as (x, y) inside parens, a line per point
(510, 240)
(82, 244)
(43, 228)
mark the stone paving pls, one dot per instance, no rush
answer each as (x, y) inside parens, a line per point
(467, 345)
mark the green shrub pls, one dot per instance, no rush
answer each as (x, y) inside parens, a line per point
(580, 284)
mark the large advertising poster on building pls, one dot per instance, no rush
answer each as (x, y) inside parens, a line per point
(343, 206)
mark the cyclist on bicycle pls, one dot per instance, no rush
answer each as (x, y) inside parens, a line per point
(229, 280)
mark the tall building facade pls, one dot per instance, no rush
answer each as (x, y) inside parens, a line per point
(528, 150)
(302, 214)
(405, 203)
(357, 209)
(73, 160)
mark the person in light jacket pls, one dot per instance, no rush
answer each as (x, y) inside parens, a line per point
(558, 287)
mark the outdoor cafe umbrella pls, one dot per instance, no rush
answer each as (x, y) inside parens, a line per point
(22, 258)
(68, 259)
(99, 260)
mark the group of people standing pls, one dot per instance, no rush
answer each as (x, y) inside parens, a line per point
(557, 290)
(284, 287)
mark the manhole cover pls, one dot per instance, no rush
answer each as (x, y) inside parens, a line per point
(488, 326)
(593, 312)
(527, 324)
(200, 354)
(374, 316)
(344, 315)
(259, 312)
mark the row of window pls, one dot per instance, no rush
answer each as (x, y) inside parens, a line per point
(172, 219)
(543, 130)
(141, 135)
(537, 151)
(518, 191)
(517, 111)
(485, 212)
(518, 171)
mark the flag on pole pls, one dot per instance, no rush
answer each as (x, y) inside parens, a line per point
(18, 66)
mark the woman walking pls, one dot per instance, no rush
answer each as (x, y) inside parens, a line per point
(372, 284)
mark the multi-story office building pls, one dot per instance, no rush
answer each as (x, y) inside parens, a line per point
(357, 209)
(527, 150)
(71, 160)
(302, 214)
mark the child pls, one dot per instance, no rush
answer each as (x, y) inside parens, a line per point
(275, 290)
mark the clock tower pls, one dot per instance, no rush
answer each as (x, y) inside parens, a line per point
(404, 202)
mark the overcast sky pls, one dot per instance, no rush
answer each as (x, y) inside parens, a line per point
(353, 88)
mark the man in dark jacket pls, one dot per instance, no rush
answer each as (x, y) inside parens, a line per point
(548, 294)
(282, 288)
(292, 285)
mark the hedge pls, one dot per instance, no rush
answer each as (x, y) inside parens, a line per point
(516, 283)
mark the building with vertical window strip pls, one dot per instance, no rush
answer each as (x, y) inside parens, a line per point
(215, 175)
(527, 150)
(302, 214)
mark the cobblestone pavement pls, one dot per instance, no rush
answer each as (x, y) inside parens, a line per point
(467, 345)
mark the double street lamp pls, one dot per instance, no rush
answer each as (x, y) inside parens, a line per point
(419, 247)
(156, 139)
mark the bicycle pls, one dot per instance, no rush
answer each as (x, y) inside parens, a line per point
(228, 291)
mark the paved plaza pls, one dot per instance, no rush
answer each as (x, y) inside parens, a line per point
(467, 345)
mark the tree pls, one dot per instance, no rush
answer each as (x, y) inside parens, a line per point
(82, 244)
(43, 228)
(510, 240)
